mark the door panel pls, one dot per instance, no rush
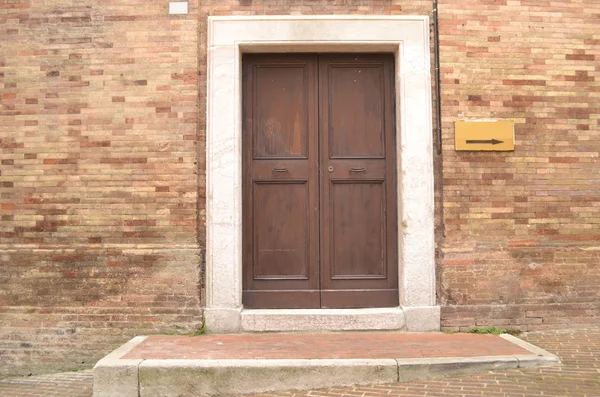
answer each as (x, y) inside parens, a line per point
(280, 128)
(358, 184)
(280, 184)
(281, 231)
(357, 230)
(355, 110)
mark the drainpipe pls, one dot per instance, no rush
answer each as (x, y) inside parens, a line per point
(438, 102)
(439, 172)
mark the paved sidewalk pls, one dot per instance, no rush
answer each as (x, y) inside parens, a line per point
(579, 351)
(579, 376)
(363, 345)
(67, 384)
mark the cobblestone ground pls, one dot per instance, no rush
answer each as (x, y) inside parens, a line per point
(67, 384)
(579, 375)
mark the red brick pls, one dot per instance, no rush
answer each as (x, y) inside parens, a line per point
(83, 166)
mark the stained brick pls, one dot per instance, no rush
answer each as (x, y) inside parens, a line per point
(89, 93)
(78, 178)
(548, 93)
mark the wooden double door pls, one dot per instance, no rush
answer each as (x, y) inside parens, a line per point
(319, 190)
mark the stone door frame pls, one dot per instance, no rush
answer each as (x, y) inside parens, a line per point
(407, 37)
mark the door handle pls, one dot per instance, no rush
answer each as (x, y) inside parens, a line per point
(280, 169)
(358, 169)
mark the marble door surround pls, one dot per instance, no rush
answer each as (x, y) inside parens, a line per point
(407, 37)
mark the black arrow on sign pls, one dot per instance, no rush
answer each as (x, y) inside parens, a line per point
(492, 141)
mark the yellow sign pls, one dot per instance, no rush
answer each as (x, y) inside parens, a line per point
(484, 135)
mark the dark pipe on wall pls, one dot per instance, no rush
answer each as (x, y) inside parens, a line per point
(438, 99)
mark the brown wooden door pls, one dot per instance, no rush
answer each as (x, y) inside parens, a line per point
(358, 185)
(319, 213)
(281, 182)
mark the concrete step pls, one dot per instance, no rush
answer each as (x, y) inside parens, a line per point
(210, 365)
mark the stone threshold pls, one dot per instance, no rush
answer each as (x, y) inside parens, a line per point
(319, 320)
(412, 319)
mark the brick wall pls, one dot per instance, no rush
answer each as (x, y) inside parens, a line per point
(522, 229)
(102, 123)
(98, 179)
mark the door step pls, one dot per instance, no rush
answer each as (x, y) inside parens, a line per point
(210, 365)
(302, 320)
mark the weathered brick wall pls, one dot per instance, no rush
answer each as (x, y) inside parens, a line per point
(98, 178)
(522, 229)
(102, 123)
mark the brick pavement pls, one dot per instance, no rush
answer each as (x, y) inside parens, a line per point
(579, 376)
(67, 384)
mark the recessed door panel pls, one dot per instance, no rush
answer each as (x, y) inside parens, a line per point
(281, 231)
(281, 120)
(355, 110)
(357, 234)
